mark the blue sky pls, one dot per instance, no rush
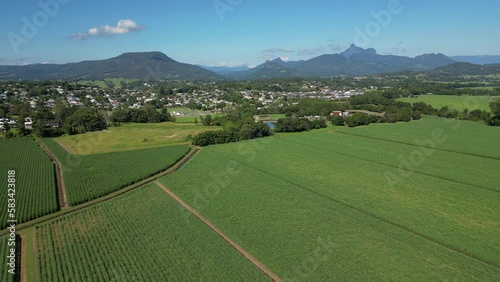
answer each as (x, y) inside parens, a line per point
(236, 32)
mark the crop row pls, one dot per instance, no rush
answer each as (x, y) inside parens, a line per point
(4, 252)
(35, 189)
(283, 200)
(92, 176)
(410, 159)
(143, 235)
(454, 214)
(466, 137)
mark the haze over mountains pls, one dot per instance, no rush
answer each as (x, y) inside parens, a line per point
(478, 60)
(354, 61)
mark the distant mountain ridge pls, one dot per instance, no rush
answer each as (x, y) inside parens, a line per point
(478, 60)
(354, 61)
(225, 70)
(141, 65)
(465, 69)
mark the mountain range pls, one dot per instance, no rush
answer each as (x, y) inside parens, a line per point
(144, 66)
(354, 61)
(225, 70)
(478, 60)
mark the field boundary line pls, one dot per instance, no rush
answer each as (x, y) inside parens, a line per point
(393, 166)
(414, 145)
(23, 259)
(35, 254)
(61, 188)
(372, 215)
(233, 244)
(108, 197)
(65, 147)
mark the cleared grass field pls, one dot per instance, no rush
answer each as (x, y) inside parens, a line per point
(35, 187)
(132, 137)
(143, 235)
(191, 119)
(459, 103)
(319, 206)
(271, 117)
(102, 83)
(93, 176)
(187, 111)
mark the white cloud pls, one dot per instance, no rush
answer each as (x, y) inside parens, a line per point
(277, 50)
(122, 27)
(285, 59)
(337, 47)
(228, 65)
(17, 61)
(310, 51)
(267, 57)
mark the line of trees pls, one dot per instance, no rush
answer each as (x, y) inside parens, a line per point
(293, 124)
(148, 114)
(236, 126)
(84, 120)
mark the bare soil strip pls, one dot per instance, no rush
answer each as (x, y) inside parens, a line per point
(63, 202)
(34, 250)
(23, 259)
(65, 147)
(247, 255)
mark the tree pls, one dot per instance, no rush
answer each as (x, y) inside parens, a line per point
(20, 124)
(193, 106)
(162, 92)
(166, 116)
(358, 119)
(495, 121)
(416, 115)
(84, 120)
(337, 120)
(221, 106)
(9, 134)
(298, 124)
(206, 120)
(495, 108)
(61, 112)
(405, 114)
(109, 84)
(495, 112)
(195, 121)
(392, 115)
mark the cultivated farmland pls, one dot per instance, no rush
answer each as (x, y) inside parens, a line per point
(93, 176)
(330, 206)
(143, 235)
(4, 252)
(459, 103)
(35, 193)
(460, 136)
